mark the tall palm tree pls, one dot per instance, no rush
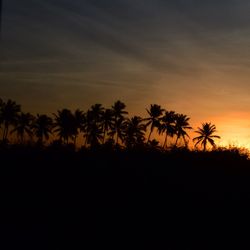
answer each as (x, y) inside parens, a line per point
(79, 117)
(119, 109)
(9, 113)
(94, 135)
(23, 126)
(181, 125)
(134, 131)
(119, 130)
(92, 129)
(65, 125)
(97, 112)
(107, 122)
(42, 127)
(155, 113)
(206, 134)
(168, 125)
(119, 118)
(88, 121)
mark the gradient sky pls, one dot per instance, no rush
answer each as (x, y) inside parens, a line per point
(190, 56)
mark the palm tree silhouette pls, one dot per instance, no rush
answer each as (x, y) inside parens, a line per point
(206, 134)
(23, 126)
(96, 112)
(79, 118)
(65, 125)
(119, 117)
(155, 113)
(42, 127)
(181, 124)
(93, 123)
(94, 136)
(119, 130)
(9, 113)
(134, 131)
(107, 122)
(92, 129)
(88, 121)
(167, 125)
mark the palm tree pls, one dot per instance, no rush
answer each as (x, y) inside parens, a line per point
(96, 112)
(155, 113)
(93, 132)
(206, 134)
(107, 122)
(181, 125)
(23, 126)
(42, 127)
(92, 128)
(119, 118)
(168, 125)
(94, 135)
(8, 113)
(88, 121)
(134, 131)
(119, 129)
(79, 117)
(65, 125)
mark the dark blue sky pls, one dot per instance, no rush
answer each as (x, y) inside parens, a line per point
(191, 56)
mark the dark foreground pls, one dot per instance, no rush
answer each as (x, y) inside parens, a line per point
(99, 199)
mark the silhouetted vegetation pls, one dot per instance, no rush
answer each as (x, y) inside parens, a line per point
(206, 134)
(99, 126)
(121, 183)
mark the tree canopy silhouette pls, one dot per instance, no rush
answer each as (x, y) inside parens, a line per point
(23, 125)
(9, 114)
(119, 117)
(181, 125)
(42, 127)
(100, 125)
(155, 112)
(65, 125)
(134, 131)
(206, 135)
(167, 125)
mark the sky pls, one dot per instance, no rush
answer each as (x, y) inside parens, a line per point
(189, 56)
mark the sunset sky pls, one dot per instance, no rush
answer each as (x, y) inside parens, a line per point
(190, 56)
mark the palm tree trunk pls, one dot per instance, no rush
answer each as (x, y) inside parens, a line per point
(151, 130)
(165, 141)
(6, 133)
(117, 138)
(177, 140)
(104, 135)
(185, 141)
(205, 146)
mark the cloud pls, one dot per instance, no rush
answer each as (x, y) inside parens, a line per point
(167, 47)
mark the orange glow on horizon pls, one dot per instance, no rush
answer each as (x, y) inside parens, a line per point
(233, 128)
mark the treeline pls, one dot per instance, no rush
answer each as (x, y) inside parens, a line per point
(101, 126)
(154, 193)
